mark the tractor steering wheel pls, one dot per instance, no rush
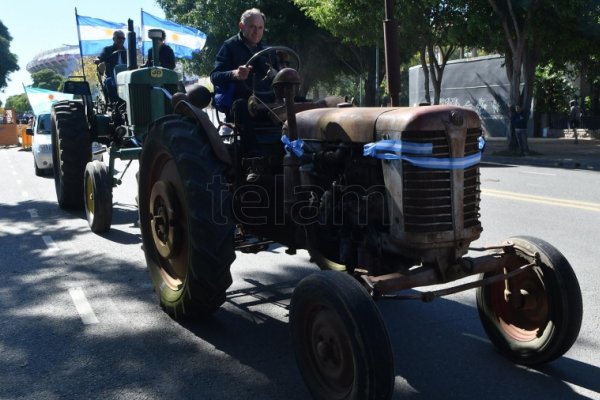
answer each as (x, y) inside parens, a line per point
(283, 59)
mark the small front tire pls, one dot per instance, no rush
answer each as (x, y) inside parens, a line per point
(98, 196)
(545, 322)
(340, 341)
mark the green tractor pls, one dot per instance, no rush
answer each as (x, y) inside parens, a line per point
(144, 96)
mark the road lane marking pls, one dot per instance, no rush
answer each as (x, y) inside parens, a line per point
(582, 205)
(83, 306)
(50, 243)
(33, 213)
(537, 173)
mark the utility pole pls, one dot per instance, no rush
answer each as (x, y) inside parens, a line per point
(392, 67)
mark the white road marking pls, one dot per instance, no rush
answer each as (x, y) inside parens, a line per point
(32, 212)
(83, 306)
(50, 243)
(537, 173)
(582, 205)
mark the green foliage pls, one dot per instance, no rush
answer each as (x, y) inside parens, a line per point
(19, 103)
(553, 90)
(353, 21)
(8, 60)
(47, 79)
(334, 37)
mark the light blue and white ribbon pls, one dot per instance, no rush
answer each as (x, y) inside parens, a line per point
(295, 146)
(397, 149)
(396, 146)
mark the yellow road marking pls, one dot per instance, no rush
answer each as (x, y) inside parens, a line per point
(582, 205)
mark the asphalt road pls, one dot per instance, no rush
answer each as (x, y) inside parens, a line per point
(79, 319)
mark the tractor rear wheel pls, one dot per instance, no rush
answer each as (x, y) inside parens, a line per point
(71, 151)
(544, 319)
(185, 218)
(341, 344)
(98, 196)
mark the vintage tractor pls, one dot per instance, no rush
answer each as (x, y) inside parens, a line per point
(144, 96)
(383, 199)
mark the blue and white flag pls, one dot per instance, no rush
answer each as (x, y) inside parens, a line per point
(184, 40)
(41, 100)
(96, 33)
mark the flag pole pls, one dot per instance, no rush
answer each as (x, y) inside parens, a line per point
(142, 36)
(79, 42)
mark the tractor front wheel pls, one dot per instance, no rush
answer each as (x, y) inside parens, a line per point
(98, 196)
(535, 316)
(340, 341)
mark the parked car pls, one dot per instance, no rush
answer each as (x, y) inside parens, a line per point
(41, 145)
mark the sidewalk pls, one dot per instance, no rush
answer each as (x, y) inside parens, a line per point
(545, 152)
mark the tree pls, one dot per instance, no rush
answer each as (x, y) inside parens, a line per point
(47, 79)
(341, 18)
(552, 92)
(19, 103)
(91, 74)
(437, 28)
(8, 60)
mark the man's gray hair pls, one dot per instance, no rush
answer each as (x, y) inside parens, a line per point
(246, 15)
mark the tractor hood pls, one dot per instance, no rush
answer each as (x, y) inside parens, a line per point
(367, 124)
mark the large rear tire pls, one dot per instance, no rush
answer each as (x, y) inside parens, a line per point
(545, 321)
(341, 344)
(185, 218)
(71, 151)
(98, 196)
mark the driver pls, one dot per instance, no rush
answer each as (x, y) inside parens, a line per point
(231, 77)
(111, 56)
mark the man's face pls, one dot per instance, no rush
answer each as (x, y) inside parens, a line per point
(253, 29)
(119, 40)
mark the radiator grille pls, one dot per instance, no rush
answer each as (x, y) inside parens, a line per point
(140, 108)
(427, 193)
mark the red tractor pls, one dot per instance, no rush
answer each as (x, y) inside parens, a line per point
(384, 200)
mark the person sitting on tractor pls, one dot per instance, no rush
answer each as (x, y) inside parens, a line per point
(111, 56)
(166, 56)
(231, 73)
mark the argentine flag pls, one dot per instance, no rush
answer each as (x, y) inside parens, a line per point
(41, 100)
(96, 33)
(184, 40)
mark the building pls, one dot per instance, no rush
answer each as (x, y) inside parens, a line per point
(63, 60)
(479, 83)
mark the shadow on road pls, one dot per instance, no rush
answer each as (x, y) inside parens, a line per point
(243, 351)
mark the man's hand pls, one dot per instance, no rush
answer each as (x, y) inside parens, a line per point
(242, 73)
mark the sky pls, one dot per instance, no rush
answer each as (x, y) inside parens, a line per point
(40, 25)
